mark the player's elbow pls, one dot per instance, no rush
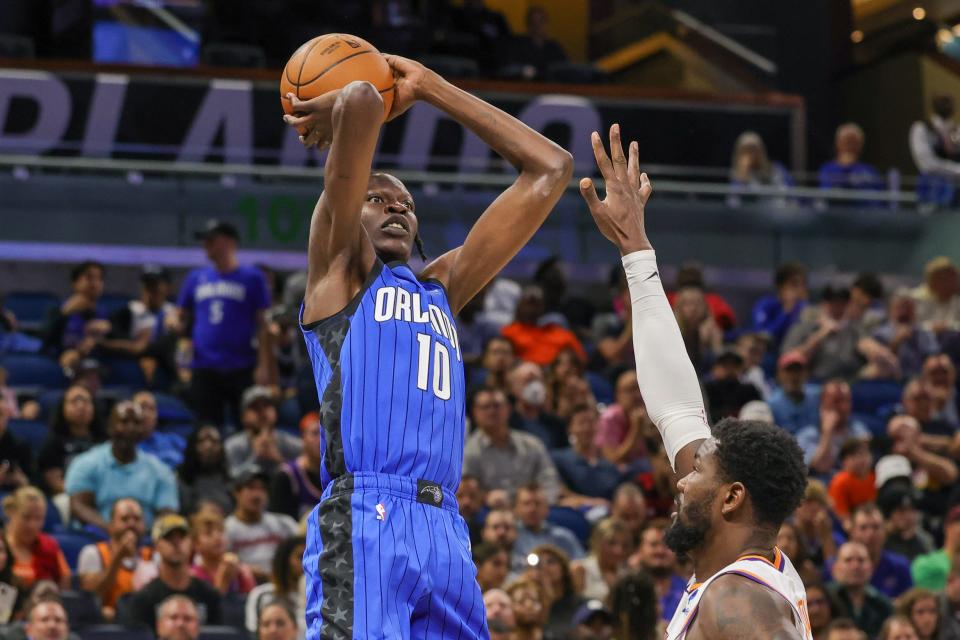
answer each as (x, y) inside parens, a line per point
(552, 173)
(361, 98)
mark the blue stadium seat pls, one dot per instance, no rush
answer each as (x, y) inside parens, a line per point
(33, 370)
(572, 520)
(872, 396)
(172, 409)
(288, 413)
(33, 432)
(31, 307)
(115, 632)
(125, 372)
(182, 429)
(219, 632)
(601, 387)
(71, 542)
(48, 401)
(83, 609)
(111, 302)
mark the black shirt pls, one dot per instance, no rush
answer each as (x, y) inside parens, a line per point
(16, 453)
(144, 603)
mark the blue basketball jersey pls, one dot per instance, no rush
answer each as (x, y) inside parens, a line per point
(390, 379)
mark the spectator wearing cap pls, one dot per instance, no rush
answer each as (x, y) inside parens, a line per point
(585, 472)
(592, 620)
(931, 570)
(846, 171)
(757, 411)
(726, 393)
(851, 592)
(855, 483)
(171, 535)
(938, 298)
(168, 447)
(115, 469)
(118, 566)
(260, 442)
(774, 314)
(140, 329)
(531, 511)
(890, 572)
(532, 341)
(223, 305)
(821, 442)
(903, 334)
(253, 533)
(296, 488)
(897, 500)
(178, 619)
(76, 326)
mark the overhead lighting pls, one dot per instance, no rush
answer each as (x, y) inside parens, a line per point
(856, 37)
(944, 36)
(919, 13)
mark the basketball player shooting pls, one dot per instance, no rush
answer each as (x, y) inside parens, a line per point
(387, 552)
(738, 482)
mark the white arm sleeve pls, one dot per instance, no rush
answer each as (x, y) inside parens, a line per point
(665, 374)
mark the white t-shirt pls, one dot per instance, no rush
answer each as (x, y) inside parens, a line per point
(255, 543)
(143, 570)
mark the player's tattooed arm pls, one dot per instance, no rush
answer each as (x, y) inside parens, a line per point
(735, 608)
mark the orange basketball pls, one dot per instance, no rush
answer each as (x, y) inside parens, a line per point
(331, 62)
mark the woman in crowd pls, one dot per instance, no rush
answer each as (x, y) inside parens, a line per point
(529, 610)
(9, 584)
(633, 604)
(493, 565)
(789, 543)
(213, 563)
(34, 555)
(751, 167)
(554, 567)
(277, 622)
(920, 607)
(74, 429)
(286, 582)
(609, 549)
(203, 475)
(819, 609)
(898, 627)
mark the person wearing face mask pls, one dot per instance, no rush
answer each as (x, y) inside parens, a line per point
(935, 147)
(529, 392)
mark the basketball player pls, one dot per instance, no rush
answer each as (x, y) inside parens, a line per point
(738, 482)
(387, 552)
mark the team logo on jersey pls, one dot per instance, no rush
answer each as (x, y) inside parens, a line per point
(429, 493)
(381, 512)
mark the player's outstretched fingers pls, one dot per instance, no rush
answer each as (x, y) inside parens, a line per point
(646, 188)
(633, 166)
(616, 152)
(589, 194)
(603, 161)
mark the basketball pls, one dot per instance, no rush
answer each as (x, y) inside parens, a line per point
(331, 62)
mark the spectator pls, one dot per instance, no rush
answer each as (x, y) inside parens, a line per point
(752, 347)
(34, 555)
(475, 330)
(938, 298)
(493, 565)
(120, 565)
(74, 429)
(533, 529)
(533, 342)
(844, 629)
(726, 394)
(821, 442)
(10, 587)
(16, 461)
(286, 583)
(932, 570)
(593, 621)
(633, 610)
(788, 541)
(933, 145)
(866, 302)
(535, 51)
(630, 507)
(500, 530)
(818, 610)
(47, 620)
(171, 535)
(203, 475)
(296, 488)
(701, 335)
(774, 314)
(920, 607)
(178, 619)
(940, 378)
(260, 443)
(530, 609)
(904, 336)
(814, 526)
(224, 305)
(657, 560)
(855, 484)
(897, 628)
(568, 386)
(470, 502)
(917, 402)
(690, 275)
(891, 571)
(751, 167)
(500, 619)
(897, 502)
(277, 621)
(581, 466)
(846, 171)
(168, 447)
(795, 402)
(853, 596)
(501, 458)
(212, 562)
(613, 331)
(75, 328)
(113, 470)
(949, 603)
(609, 550)
(498, 360)
(554, 565)
(624, 425)
(529, 406)
(254, 533)
(905, 436)
(487, 27)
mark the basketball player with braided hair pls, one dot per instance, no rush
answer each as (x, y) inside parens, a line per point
(387, 552)
(738, 481)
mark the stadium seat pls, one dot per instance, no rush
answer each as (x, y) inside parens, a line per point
(452, 66)
(233, 610)
(220, 632)
(32, 432)
(171, 409)
(30, 307)
(124, 372)
(115, 632)
(71, 542)
(48, 401)
(572, 520)
(182, 429)
(288, 414)
(871, 396)
(33, 370)
(109, 303)
(83, 608)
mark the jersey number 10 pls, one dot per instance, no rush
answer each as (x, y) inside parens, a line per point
(441, 367)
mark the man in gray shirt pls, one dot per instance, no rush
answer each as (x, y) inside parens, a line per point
(501, 458)
(260, 443)
(533, 529)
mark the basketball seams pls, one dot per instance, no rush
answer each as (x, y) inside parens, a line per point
(303, 61)
(343, 59)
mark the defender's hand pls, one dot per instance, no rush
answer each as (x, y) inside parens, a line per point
(619, 216)
(411, 79)
(313, 118)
